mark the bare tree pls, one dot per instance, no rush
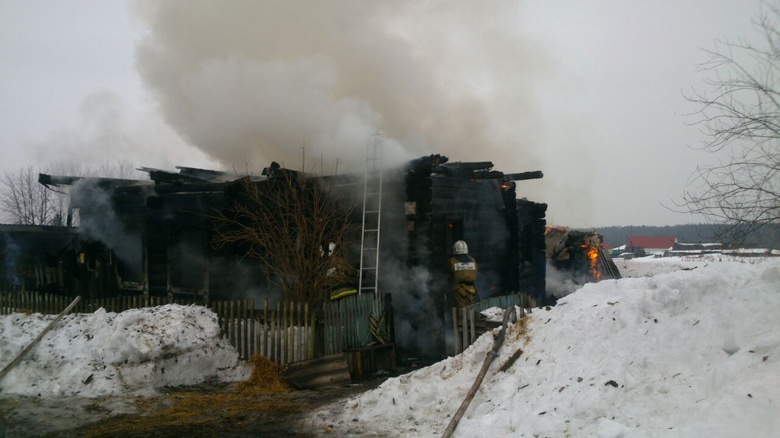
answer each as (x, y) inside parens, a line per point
(24, 201)
(283, 223)
(740, 115)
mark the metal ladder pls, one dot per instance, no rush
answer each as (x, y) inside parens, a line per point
(372, 218)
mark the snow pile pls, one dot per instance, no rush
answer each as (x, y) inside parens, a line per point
(101, 353)
(688, 353)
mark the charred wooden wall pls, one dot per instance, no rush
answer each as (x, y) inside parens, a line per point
(162, 232)
(464, 201)
(56, 260)
(445, 202)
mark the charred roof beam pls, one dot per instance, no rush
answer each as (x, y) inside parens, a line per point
(522, 176)
(58, 181)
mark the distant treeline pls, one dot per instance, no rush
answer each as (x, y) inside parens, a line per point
(767, 237)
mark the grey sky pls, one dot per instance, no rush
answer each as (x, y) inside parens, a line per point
(588, 92)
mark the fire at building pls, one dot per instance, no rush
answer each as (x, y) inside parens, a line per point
(576, 258)
(156, 237)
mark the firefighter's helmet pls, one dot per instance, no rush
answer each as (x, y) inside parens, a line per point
(460, 248)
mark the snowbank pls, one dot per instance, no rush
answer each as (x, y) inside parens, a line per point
(688, 353)
(132, 352)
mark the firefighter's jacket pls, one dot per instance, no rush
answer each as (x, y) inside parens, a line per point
(464, 273)
(341, 277)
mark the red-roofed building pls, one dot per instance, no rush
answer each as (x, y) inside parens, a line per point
(651, 244)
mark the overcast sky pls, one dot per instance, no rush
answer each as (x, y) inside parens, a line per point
(590, 92)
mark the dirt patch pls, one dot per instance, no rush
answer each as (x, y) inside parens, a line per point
(262, 406)
(200, 411)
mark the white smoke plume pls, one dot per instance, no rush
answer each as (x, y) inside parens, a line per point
(248, 82)
(110, 131)
(559, 283)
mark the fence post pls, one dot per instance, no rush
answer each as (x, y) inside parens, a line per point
(473, 317)
(253, 339)
(288, 331)
(465, 327)
(279, 334)
(265, 327)
(455, 329)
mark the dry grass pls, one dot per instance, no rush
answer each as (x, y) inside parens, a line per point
(190, 410)
(519, 330)
(265, 378)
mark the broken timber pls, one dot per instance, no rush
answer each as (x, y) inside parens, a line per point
(38, 338)
(499, 340)
(324, 372)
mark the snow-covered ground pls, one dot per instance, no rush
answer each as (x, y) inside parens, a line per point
(129, 353)
(684, 348)
(651, 266)
(693, 351)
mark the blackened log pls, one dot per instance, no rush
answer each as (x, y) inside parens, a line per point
(162, 176)
(191, 188)
(54, 180)
(491, 174)
(480, 165)
(205, 174)
(275, 171)
(536, 174)
(463, 170)
(423, 165)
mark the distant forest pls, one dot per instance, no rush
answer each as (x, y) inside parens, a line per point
(768, 237)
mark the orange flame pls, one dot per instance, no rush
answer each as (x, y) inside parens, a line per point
(593, 258)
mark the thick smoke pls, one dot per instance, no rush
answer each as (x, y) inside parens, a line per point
(99, 221)
(250, 81)
(111, 130)
(559, 283)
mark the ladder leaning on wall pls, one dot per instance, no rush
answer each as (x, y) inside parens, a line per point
(372, 218)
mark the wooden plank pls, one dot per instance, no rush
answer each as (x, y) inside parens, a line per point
(325, 372)
(266, 343)
(38, 338)
(465, 332)
(276, 335)
(472, 317)
(299, 332)
(455, 330)
(252, 334)
(241, 328)
(312, 334)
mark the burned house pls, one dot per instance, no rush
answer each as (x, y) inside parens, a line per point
(444, 202)
(158, 233)
(155, 237)
(575, 258)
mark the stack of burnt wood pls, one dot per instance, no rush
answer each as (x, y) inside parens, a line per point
(580, 254)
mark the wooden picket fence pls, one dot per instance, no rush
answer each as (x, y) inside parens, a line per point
(33, 302)
(284, 334)
(468, 324)
(347, 322)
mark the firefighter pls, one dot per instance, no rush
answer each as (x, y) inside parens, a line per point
(464, 272)
(341, 276)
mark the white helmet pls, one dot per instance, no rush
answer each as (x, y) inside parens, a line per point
(460, 248)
